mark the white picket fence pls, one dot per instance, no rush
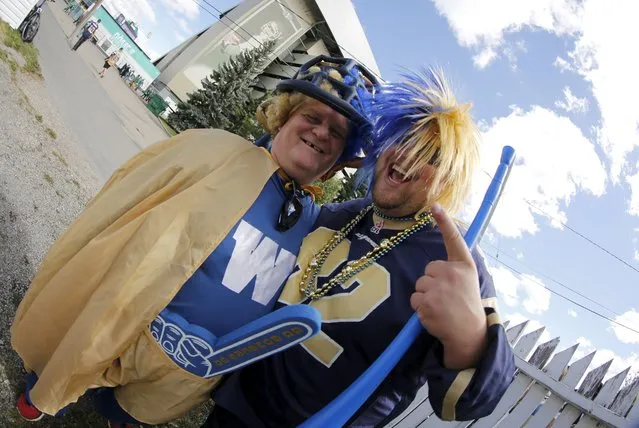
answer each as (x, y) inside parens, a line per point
(544, 395)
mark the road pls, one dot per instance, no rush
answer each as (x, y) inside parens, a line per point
(108, 120)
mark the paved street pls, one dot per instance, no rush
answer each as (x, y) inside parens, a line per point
(61, 138)
(106, 117)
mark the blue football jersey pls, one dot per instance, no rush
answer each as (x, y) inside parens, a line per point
(238, 283)
(360, 318)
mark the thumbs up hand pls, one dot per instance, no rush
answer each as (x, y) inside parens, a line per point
(447, 299)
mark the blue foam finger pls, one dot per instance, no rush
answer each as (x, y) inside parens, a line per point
(199, 352)
(265, 336)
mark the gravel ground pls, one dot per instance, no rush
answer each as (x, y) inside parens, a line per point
(45, 181)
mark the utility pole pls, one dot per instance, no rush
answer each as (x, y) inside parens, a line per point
(84, 20)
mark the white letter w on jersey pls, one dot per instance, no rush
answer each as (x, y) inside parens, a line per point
(252, 258)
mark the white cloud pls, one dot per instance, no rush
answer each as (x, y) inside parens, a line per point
(572, 313)
(633, 203)
(538, 298)
(533, 324)
(554, 161)
(138, 11)
(506, 285)
(630, 319)
(601, 30)
(184, 26)
(187, 8)
(145, 43)
(482, 25)
(605, 26)
(619, 363)
(572, 103)
(485, 57)
(179, 37)
(489, 54)
(511, 52)
(563, 65)
(526, 290)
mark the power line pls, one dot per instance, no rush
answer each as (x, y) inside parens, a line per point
(227, 25)
(326, 35)
(561, 284)
(216, 17)
(238, 25)
(581, 235)
(564, 297)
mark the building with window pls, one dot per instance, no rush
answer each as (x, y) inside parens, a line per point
(116, 32)
(302, 29)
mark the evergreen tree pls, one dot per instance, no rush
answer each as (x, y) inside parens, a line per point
(349, 190)
(331, 189)
(225, 100)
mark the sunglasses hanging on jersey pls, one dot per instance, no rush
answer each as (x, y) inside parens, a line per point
(291, 210)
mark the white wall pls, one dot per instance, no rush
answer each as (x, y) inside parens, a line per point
(14, 11)
(262, 19)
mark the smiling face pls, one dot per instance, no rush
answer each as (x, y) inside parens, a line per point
(310, 142)
(396, 194)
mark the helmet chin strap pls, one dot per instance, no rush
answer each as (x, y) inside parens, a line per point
(291, 210)
(292, 207)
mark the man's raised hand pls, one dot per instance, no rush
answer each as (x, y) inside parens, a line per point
(447, 299)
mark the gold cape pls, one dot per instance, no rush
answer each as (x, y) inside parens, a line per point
(83, 323)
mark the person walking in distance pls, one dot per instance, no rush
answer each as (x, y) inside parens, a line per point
(110, 61)
(87, 33)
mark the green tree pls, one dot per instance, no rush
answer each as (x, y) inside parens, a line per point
(331, 189)
(225, 100)
(341, 188)
(349, 190)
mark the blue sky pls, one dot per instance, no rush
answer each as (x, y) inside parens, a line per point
(169, 22)
(551, 78)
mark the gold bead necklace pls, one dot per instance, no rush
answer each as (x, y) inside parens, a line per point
(308, 282)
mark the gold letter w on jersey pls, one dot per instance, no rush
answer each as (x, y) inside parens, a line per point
(256, 256)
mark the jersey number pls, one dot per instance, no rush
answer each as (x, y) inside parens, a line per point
(350, 306)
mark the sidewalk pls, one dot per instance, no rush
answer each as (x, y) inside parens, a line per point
(108, 118)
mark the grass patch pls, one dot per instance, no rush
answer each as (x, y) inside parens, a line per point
(13, 65)
(48, 178)
(61, 158)
(51, 133)
(168, 128)
(38, 117)
(26, 104)
(11, 38)
(74, 182)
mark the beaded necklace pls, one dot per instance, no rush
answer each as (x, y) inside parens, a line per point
(308, 282)
(381, 215)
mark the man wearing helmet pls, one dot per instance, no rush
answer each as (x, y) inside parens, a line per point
(370, 264)
(191, 239)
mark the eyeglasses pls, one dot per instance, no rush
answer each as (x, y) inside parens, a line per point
(291, 210)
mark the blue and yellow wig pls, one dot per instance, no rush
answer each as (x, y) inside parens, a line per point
(421, 119)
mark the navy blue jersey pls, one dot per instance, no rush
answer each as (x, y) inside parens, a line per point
(360, 318)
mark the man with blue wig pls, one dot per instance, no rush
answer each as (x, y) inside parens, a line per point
(371, 263)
